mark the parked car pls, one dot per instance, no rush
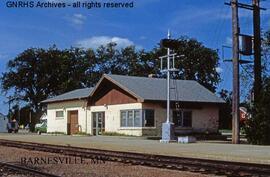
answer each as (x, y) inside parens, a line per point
(13, 126)
(41, 127)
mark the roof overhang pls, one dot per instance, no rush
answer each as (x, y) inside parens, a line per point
(59, 101)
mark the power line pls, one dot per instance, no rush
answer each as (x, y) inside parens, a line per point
(218, 28)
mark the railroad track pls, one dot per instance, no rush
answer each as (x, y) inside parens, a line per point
(19, 170)
(203, 166)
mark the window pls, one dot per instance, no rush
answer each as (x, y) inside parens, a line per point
(148, 118)
(177, 118)
(123, 118)
(187, 119)
(182, 118)
(137, 118)
(130, 119)
(59, 114)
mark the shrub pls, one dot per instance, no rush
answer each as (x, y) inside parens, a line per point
(56, 133)
(258, 126)
(114, 134)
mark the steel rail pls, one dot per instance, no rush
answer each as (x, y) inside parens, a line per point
(205, 166)
(28, 170)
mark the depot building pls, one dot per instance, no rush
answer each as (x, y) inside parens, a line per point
(133, 106)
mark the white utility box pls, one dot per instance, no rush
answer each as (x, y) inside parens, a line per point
(186, 139)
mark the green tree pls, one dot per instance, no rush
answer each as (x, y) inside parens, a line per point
(137, 63)
(258, 126)
(125, 61)
(36, 74)
(198, 63)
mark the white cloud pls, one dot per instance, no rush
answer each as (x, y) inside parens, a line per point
(97, 41)
(77, 19)
(219, 69)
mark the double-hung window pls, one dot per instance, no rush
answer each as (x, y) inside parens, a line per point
(182, 118)
(123, 119)
(130, 118)
(137, 118)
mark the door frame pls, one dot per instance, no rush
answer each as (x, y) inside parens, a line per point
(68, 121)
(95, 123)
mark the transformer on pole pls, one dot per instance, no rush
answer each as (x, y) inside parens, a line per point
(246, 50)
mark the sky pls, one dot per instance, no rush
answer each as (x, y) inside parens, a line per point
(143, 26)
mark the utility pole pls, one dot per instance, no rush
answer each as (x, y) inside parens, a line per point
(235, 50)
(168, 126)
(168, 81)
(246, 49)
(257, 50)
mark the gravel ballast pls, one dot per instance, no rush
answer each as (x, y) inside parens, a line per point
(74, 166)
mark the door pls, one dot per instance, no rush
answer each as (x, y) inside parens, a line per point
(98, 122)
(73, 123)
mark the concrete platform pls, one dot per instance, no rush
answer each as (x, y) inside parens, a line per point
(206, 150)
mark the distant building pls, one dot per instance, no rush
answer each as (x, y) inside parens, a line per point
(243, 114)
(133, 106)
(3, 123)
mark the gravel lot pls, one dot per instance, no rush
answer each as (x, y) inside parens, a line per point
(88, 168)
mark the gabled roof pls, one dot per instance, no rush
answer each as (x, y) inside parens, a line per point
(154, 89)
(147, 89)
(75, 94)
